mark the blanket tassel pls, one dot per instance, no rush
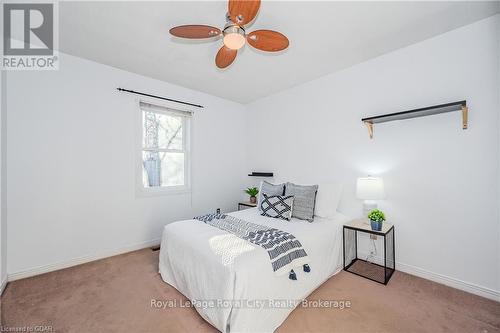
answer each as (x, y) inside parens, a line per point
(292, 275)
(307, 269)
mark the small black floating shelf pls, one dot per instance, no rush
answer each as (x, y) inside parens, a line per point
(422, 112)
(261, 174)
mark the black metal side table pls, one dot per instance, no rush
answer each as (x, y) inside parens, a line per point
(246, 205)
(373, 271)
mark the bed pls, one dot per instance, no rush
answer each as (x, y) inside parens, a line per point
(230, 281)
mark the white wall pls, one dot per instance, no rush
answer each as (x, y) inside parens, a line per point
(71, 164)
(441, 181)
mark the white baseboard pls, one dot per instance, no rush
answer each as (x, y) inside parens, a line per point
(80, 260)
(440, 278)
(449, 281)
(3, 284)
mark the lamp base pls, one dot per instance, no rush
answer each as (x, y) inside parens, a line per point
(368, 206)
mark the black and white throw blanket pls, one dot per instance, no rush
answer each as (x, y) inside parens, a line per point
(285, 251)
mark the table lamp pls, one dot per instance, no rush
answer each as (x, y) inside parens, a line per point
(370, 189)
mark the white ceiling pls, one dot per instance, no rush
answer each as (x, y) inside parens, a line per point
(324, 37)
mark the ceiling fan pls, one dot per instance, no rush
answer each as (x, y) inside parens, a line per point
(240, 13)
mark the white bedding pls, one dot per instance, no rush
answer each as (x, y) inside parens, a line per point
(208, 264)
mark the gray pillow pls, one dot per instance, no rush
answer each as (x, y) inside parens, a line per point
(304, 200)
(269, 189)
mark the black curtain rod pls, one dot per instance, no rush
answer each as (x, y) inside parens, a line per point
(159, 97)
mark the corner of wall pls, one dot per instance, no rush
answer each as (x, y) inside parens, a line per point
(3, 211)
(498, 110)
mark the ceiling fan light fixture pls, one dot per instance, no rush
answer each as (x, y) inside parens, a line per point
(234, 37)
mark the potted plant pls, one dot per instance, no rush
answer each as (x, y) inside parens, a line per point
(376, 218)
(252, 192)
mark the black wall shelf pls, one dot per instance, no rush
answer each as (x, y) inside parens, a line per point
(422, 112)
(261, 174)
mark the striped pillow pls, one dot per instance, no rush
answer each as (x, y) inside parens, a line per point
(304, 201)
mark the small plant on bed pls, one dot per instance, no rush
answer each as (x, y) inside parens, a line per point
(252, 192)
(376, 218)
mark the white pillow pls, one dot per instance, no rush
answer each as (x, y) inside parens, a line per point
(327, 199)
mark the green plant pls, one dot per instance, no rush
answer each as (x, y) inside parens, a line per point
(376, 216)
(252, 191)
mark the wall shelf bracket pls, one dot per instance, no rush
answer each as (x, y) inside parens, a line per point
(369, 126)
(465, 117)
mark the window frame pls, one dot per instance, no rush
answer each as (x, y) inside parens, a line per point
(186, 150)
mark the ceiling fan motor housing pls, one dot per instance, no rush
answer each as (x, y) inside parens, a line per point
(232, 28)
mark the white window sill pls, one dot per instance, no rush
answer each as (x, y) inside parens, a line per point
(163, 191)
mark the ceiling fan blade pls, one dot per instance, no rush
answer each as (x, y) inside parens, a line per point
(268, 40)
(242, 12)
(225, 57)
(195, 31)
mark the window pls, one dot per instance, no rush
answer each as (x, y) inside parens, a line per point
(165, 148)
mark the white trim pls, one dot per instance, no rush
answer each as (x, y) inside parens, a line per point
(80, 260)
(163, 190)
(440, 278)
(449, 281)
(3, 284)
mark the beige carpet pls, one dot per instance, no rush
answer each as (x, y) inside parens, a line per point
(114, 295)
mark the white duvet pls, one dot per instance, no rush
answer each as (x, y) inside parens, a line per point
(231, 281)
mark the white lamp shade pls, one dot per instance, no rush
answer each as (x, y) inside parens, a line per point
(370, 188)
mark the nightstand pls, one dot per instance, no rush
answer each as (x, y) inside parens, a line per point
(246, 205)
(379, 272)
